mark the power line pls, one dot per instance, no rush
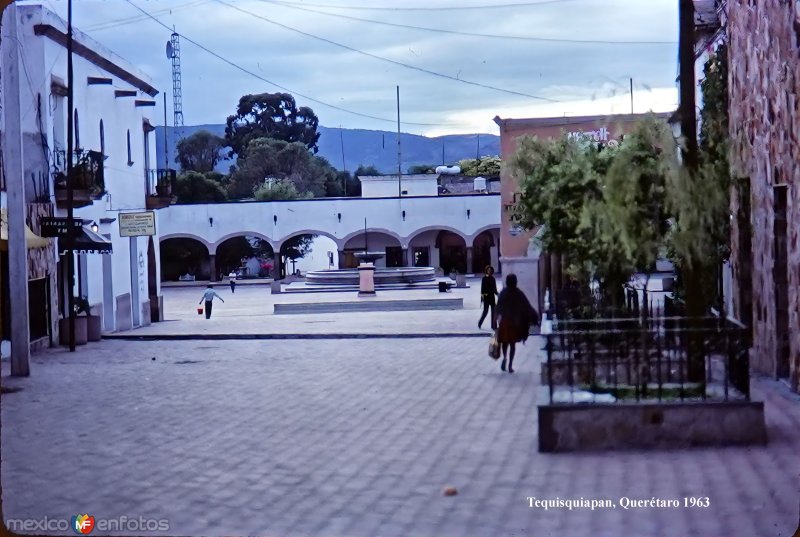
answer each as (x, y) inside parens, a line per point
(434, 8)
(114, 23)
(259, 77)
(292, 5)
(382, 58)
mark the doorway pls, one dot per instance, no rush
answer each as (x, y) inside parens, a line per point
(780, 276)
(422, 256)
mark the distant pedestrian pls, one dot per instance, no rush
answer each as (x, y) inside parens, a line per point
(232, 281)
(208, 297)
(488, 292)
(515, 315)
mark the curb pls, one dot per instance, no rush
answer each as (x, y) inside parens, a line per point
(225, 337)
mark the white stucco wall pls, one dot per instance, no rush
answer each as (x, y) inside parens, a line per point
(388, 186)
(45, 62)
(276, 221)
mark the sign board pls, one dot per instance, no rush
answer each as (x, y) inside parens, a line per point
(58, 227)
(137, 224)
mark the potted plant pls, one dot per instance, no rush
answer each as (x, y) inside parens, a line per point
(164, 187)
(81, 305)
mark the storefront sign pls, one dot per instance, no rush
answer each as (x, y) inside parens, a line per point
(58, 227)
(137, 224)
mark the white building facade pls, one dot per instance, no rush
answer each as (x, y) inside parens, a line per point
(114, 157)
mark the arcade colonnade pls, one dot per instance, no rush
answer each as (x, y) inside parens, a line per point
(454, 233)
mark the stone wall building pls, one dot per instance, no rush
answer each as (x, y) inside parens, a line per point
(764, 73)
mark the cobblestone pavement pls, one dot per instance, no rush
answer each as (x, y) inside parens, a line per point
(354, 438)
(249, 311)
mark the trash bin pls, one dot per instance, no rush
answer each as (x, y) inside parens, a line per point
(442, 287)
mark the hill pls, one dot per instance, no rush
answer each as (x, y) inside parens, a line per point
(367, 147)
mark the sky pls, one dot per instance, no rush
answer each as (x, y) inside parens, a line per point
(348, 53)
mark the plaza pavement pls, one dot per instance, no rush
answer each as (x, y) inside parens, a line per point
(356, 438)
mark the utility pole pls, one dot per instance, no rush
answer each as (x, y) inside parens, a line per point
(691, 275)
(344, 162)
(631, 95)
(70, 192)
(166, 136)
(399, 158)
(15, 192)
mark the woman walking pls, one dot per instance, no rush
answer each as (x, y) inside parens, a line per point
(208, 297)
(515, 316)
(488, 292)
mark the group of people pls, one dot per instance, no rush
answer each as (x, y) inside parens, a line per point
(513, 317)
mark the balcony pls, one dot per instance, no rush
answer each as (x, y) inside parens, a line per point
(88, 183)
(160, 185)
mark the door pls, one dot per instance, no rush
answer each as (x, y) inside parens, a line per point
(422, 256)
(394, 256)
(780, 275)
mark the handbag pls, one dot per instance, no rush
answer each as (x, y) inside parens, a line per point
(494, 348)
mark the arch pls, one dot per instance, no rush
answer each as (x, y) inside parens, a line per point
(372, 230)
(490, 227)
(422, 230)
(192, 256)
(278, 243)
(243, 234)
(211, 247)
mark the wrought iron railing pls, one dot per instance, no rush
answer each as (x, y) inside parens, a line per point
(656, 358)
(87, 171)
(160, 182)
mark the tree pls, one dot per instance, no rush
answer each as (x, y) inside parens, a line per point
(271, 115)
(487, 166)
(200, 152)
(278, 190)
(195, 187)
(366, 170)
(277, 159)
(421, 168)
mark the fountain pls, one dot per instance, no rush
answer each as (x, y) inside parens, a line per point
(382, 276)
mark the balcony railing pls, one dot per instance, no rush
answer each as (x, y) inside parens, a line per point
(88, 177)
(160, 186)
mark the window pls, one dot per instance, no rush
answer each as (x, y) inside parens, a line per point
(102, 139)
(77, 131)
(130, 161)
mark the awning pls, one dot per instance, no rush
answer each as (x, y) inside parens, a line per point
(87, 242)
(31, 239)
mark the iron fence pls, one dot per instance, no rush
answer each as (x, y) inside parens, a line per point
(647, 358)
(88, 170)
(161, 182)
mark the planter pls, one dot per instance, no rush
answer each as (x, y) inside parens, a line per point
(81, 330)
(93, 328)
(461, 280)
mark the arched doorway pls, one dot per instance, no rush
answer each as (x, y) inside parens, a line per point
(374, 241)
(452, 252)
(484, 251)
(247, 255)
(184, 256)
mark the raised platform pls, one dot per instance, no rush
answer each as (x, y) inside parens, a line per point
(305, 287)
(370, 304)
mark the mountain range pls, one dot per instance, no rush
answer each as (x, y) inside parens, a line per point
(349, 148)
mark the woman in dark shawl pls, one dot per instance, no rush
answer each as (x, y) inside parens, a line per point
(515, 316)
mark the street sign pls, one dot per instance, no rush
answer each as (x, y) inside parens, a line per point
(137, 224)
(58, 227)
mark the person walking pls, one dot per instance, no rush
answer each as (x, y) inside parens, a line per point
(515, 315)
(208, 297)
(232, 281)
(488, 292)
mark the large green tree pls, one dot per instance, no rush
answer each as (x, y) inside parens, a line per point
(200, 152)
(487, 166)
(271, 115)
(269, 158)
(195, 187)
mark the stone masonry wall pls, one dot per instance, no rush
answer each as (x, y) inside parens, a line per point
(764, 71)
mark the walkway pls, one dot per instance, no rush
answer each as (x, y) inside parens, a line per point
(353, 438)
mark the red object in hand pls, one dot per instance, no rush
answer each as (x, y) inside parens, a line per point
(199, 311)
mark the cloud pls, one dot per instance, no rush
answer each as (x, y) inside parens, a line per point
(588, 74)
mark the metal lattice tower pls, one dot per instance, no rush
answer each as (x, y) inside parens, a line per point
(177, 105)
